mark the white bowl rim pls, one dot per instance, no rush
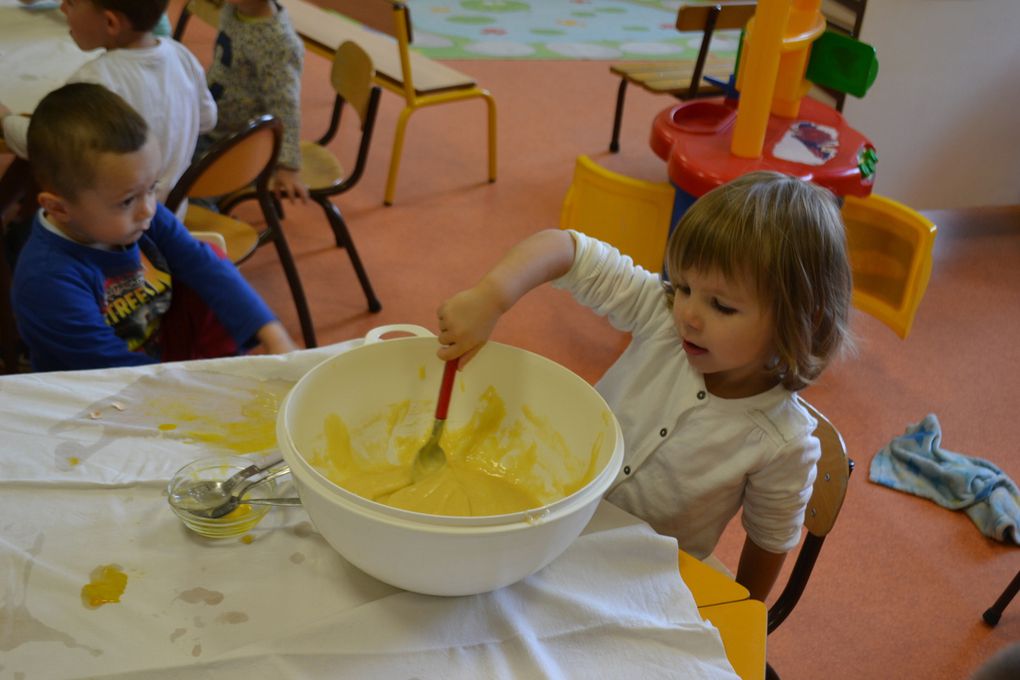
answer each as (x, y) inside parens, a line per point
(443, 523)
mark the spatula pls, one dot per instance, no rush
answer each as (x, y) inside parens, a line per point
(431, 457)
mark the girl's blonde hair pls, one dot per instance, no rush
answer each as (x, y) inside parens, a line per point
(786, 237)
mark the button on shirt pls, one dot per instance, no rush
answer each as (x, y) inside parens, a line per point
(717, 455)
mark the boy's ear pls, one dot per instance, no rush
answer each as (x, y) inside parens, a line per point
(115, 22)
(55, 206)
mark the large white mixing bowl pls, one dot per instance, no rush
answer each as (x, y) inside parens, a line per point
(438, 554)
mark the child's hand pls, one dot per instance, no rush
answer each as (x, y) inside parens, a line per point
(466, 321)
(274, 338)
(4, 111)
(287, 183)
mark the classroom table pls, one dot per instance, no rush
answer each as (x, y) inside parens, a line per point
(37, 54)
(85, 460)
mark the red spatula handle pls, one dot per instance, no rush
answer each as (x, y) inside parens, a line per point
(449, 371)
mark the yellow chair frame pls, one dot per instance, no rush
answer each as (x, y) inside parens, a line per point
(416, 96)
(890, 248)
(631, 214)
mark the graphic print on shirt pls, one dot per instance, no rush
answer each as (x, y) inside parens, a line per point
(135, 302)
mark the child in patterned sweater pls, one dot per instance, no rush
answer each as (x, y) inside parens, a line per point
(256, 70)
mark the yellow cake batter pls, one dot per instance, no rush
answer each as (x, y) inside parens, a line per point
(495, 465)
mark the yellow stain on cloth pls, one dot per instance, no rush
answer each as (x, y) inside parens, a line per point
(255, 432)
(107, 584)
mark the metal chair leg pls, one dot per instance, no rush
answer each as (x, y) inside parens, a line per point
(290, 270)
(994, 613)
(344, 240)
(614, 143)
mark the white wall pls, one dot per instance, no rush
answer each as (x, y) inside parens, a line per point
(944, 112)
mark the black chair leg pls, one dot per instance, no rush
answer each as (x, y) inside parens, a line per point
(994, 613)
(614, 143)
(293, 280)
(182, 23)
(344, 240)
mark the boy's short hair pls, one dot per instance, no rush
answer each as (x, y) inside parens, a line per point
(143, 14)
(71, 126)
(786, 236)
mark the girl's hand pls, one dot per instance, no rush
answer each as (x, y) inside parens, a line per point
(287, 183)
(466, 321)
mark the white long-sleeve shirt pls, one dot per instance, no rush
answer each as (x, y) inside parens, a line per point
(692, 459)
(165, 84)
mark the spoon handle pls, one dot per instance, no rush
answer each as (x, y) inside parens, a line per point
(446, 387)
(278, 472)
(272, 501)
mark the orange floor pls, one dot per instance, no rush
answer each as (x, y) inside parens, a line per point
(901, 583)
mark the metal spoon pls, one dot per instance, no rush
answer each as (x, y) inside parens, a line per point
(228, 505)
(431, 457)
(206, 495)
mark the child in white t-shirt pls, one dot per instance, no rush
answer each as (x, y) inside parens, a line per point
(758, 303)
(158, 77)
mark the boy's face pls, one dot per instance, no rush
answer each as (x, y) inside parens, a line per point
(117, 209)
(726, 332)
(88, 23)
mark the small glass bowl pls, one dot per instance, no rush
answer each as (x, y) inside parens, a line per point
(243, 518)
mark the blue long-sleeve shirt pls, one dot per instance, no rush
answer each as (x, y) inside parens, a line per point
(79, 307)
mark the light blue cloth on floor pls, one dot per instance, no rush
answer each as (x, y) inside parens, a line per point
(915, 463)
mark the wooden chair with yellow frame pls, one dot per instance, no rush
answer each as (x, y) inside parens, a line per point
(321, 171)
(711, 588)
(683, 79)
(244, 158)
(428, 83)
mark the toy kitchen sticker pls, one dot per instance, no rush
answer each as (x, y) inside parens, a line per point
(807, 143)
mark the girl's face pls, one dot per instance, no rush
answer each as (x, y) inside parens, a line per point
(87, 22)
(726, 332)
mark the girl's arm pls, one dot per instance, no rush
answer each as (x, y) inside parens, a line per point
(758, 569)
(466, 320)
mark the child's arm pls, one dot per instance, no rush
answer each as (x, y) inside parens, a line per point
(287, 184)
(466, 320)
(275, 339)
(758, 569)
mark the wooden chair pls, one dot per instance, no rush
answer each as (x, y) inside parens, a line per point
(631, 214)
(846, 17)
(712, 589)
(890, 249)
(245, 158)
(833, 476)
(17, 207)
(321, 171)
(683, 79)
(430, 84)
(386, 37)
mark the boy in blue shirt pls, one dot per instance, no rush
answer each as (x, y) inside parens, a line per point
(109, 277)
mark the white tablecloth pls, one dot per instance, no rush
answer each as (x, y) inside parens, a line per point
(83, 470)
(37, 53)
